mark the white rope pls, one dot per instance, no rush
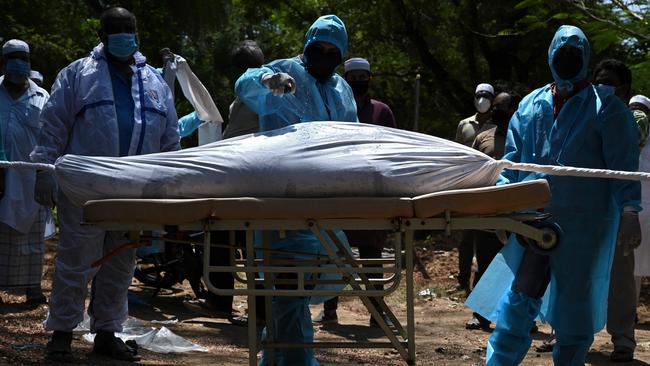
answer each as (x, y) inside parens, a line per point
(573, 172)
(503, 164)
(26, 165)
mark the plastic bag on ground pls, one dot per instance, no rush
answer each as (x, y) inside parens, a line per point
(156, 340)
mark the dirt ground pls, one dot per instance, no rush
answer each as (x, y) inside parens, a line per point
(441, 336)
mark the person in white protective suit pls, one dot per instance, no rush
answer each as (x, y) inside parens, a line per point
(111, 103)
(21, 218)
(285, 92)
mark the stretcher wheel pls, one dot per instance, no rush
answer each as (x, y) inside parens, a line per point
(551, 236)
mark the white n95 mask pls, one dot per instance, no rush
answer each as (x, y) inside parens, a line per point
(482, 104)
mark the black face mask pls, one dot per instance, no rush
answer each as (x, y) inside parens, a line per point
(567, 62)
(359, 87)
(321, 65)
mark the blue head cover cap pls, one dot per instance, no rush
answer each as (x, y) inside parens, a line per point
(328, 28)
(571, 36)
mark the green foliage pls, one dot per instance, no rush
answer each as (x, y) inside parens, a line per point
(453, 45)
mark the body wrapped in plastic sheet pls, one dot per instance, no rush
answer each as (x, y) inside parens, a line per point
(317, 159)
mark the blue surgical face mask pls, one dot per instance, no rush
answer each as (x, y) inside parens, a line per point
(122, 45)
(18, 67)
(608, 88)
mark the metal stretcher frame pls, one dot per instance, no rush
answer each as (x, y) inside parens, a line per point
(401, 337)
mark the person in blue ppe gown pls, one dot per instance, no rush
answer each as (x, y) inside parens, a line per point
(288, 91)
(111, 103)
(22, 219)
(569, 122)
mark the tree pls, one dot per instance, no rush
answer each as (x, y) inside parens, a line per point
(453, 44)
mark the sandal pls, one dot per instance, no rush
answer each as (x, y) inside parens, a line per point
(59, 349)
(106, 344)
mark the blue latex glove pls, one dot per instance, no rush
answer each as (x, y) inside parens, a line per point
(188, 124)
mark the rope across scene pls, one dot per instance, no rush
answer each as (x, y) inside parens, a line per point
(573, 172)
(502, 164)
(26, 165)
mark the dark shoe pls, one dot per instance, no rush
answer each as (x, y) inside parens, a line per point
(201, 306)
(106, 344)
(547, 345)
(35, 296)
(373, 322)
(478, 322)
(621, 355)
(459, 288)
(59, 349)
(240, 321)
(35, 301)
(325, 317)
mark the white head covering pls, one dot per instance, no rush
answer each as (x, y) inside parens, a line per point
(357, 63)
(641, 99)
(36, 75)
(484, 88)
(14, 45)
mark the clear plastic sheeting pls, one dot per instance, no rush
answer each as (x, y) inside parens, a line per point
(156, 340)
(316, 159)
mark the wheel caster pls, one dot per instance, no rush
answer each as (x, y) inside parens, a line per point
(551, 236)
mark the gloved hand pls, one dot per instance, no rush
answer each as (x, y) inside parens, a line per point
(629, 232)
(166, 55)
(45, 189)
(279, 83)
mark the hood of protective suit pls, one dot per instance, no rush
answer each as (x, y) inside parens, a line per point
(572, 36)
(328, 28)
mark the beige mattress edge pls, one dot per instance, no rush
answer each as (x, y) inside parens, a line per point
(477, 201)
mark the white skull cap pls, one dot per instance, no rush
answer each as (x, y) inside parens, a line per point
(641, 99)
(357, 63)
(14, 45)
(484, 88)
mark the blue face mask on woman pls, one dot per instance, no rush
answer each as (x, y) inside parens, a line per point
(122, 45)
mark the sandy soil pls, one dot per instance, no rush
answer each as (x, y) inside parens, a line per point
(441, 336)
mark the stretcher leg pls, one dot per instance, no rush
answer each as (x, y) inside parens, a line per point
(410, 310)
(252, 308)
(268, 300)
(364, 299)
(377, 302)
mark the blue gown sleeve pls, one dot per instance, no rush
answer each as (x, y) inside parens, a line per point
(57, 118)
(254, 94)
(188, 124)
(170, 139)
(620, 137)
(513, 148)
